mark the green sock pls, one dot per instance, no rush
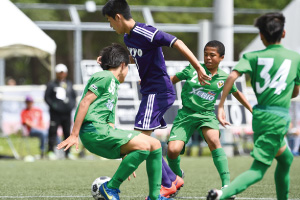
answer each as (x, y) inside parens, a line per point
(128, 165)
(154, 171)
(282, 174)
(174, 164)
(243, 181)
(221, 163)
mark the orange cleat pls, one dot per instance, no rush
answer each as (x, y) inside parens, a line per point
(168, 192)
(178, 182)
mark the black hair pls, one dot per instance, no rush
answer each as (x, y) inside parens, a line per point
(113, 7)
(217, 44)
(271, 26)
(112, 56)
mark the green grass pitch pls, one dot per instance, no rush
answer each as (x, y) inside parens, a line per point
(66, 179)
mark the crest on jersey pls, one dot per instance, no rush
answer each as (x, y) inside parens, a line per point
(220, 84)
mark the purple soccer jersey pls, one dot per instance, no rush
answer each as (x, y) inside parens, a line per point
(144, 44)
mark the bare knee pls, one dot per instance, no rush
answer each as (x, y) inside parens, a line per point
(174, 148)
(214, 143)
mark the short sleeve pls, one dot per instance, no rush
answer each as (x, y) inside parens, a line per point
(163, 39)
(243, 66)
(184, 74)
(99, 84)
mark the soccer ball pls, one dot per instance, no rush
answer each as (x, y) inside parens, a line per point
(96, 185)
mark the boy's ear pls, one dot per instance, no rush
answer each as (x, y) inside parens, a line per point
(118, 17)
(283, 34)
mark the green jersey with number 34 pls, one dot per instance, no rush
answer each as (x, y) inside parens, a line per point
(274, 72)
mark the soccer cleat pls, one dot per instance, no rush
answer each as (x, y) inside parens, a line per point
(168, 192)
(214, 194)
(159, 198)
(232, 197)
(178, 182)
(109, 194)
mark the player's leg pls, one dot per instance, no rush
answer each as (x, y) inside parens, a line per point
(150, 117)
(243, 181)
(284, 159)
(174, 149)
(153, 161)
(212, 136)
(183, 127)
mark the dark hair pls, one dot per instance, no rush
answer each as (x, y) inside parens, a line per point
(112, 56)
(113, 7)
(217, 44)
(271, 26)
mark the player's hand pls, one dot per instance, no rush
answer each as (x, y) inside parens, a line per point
(222, 117)
(99, 60)
(67, 143)
(203, 77)
(133, 174)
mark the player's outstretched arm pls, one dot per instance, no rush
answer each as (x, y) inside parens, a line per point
(174, 79)
(242, 99)
(184, 50)
(227, 87)
(82, 110)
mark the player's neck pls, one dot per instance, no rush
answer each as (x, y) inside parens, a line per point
(213, 71)
(129, 24)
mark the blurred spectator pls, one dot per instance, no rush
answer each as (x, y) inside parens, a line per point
(294, 139)
(32, 120)
(61, 99)
(11, 81)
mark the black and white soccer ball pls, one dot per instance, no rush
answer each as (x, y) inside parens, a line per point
(96, 185)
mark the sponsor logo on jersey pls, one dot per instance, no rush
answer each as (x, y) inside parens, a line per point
(220, 84)
(129, 136)
(210, 96)
(94, 87)
(110, 104)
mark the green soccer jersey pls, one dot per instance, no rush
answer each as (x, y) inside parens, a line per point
(199, 97)
(105, 86)
(274, 71)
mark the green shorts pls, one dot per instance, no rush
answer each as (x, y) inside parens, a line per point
(270, 124)
(187, 121)
(103, 140)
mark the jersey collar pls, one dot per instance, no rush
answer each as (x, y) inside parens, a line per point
(208, 72)
(136, 23)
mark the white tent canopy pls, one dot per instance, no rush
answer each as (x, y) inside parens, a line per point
(19, 36)
(292, 39)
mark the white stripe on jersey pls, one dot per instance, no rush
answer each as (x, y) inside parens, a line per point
(148, 113)
(154, 35)
(172, 42)
(143, 32)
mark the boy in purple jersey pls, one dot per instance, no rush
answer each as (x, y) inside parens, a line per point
(144, 43)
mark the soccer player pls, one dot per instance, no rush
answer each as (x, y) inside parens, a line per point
(275, 78)
(94, 124)
(144, 43)
(197, 112)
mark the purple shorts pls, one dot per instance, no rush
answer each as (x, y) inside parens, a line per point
(152, 110)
